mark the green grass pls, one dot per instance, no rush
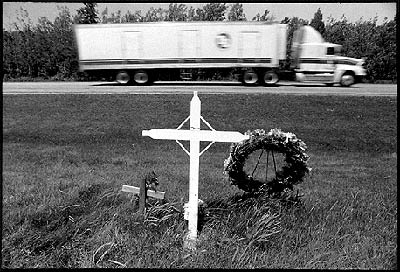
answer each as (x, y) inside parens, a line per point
(65, 158)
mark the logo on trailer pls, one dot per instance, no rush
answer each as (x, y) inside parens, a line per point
(223, 40)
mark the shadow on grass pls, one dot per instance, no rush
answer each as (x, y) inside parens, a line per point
(104, 222)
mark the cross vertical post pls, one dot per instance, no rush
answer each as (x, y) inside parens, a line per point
(195, 110)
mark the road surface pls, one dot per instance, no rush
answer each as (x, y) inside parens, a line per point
(188, 87)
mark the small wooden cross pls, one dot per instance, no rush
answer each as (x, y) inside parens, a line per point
(143, 194)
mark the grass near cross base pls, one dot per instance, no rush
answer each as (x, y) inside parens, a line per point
(65, 158)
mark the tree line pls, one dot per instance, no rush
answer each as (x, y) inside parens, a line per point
(47, 50)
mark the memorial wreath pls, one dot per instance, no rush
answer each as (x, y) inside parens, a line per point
(286, 143)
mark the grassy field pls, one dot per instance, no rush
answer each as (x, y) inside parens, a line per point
(65, 158)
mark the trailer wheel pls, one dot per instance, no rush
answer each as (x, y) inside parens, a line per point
(270, 78)
(141, 77)
(122, 77)
(347, 79)
(250, 78)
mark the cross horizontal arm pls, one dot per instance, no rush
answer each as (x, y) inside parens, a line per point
(196, 135)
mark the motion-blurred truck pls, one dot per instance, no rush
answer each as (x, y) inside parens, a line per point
(142, 53)
(314, 60)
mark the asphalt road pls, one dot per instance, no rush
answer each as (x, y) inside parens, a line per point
(188, 87)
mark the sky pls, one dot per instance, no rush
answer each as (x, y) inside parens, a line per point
(352, 11)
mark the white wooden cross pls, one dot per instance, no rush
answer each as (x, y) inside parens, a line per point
(194, 135)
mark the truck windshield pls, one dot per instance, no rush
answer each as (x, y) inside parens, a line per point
(330, 51)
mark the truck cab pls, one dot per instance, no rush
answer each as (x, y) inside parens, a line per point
(314, 60)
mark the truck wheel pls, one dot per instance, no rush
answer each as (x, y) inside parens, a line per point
(250, 78)
(122, 77)
(141, 77)
(347, 79)
(270, 78)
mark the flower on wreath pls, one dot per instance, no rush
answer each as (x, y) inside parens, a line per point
(275, 140)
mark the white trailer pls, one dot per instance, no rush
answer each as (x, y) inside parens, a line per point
(140, 52)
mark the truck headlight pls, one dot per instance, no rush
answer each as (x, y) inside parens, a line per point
(362, 63)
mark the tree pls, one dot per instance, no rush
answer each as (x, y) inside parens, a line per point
(64, 52)
(211, 12)
(293, 23)
(155, 15)
(286, 20)
(133, 17)
(87, 14)
(236, 13)
(386, 51)
(177, 12)
(45, 44)
(24, 22)
(23, 44)
(265, 17)
(317, 22)
(47, 49)
(366, 39)
(115, 18)
(104, 15)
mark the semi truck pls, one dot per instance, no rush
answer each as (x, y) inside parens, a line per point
(141, 53)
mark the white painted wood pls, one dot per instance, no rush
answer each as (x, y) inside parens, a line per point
(199, 135)
(136, 191)
(194, 135)
(195, 109)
